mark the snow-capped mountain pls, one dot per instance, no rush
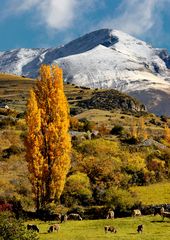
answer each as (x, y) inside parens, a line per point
(103, 59)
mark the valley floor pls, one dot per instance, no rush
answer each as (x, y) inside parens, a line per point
(154, 229)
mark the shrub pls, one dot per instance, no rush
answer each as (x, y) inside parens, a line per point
(163, 118)
(8, 121)
(117, 130)
(21, 125)
(153, 121)
(5, 207)
(13, 149)
(48, 212)
(12, 229)
(87, 125)
(103, 130)
(131, 140)
(77, 190)
(74, 123)
(21, 115)
(157, 166)
(95, 212)
(120, 199)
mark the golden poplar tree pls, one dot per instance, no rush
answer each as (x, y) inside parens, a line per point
(142, 133)
(133, 129)
(48, 141)
(167, 134)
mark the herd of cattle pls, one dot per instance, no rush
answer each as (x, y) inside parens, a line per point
(110, 215)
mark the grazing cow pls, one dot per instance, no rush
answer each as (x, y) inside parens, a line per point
(64, 218)
(164, 214)
(32, 227)
(140, 228)
(136, 212)
(74, 216)
(110, 214)
(53, 228)
(110, 229)
(157, 210)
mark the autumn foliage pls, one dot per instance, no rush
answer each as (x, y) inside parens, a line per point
(48, 141)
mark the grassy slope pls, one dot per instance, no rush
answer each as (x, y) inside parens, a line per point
(153, 194)
(154, 229)
(5, 76)
(14, 90)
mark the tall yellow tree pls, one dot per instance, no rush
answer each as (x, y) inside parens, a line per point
(133, 128)
(167, 134)
(142, 132)
(138, 129)
(48, 141)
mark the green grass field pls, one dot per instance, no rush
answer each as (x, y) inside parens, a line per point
(154, 229)
(158, 193)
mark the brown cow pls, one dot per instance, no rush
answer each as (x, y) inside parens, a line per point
(110, 214)
(140, 228)
(74, 216)
(64, 218)
(110, 229)
(32, 227)
(164, 214)
(53, 228)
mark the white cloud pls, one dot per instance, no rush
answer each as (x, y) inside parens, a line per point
(136, 17)
(54, 14)
(141, 18)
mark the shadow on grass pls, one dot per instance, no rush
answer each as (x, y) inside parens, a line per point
(158, 221)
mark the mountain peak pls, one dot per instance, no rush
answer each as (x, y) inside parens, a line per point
(105, 58)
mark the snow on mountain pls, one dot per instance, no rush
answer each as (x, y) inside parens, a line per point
(101, 59)
(100, 68)
(14, 61)
(127, 65)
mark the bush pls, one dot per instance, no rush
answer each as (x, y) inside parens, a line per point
(12, 150)
(120, 199)
(153, 121)
(12, 229)
(87, 125)
(21, 125)
(12, 205)
(117, 130)
(74, 123)
(77, 190)
(131, 140)
(91, 212)
(163, 118)
(49, 212)
(8, 121)
(21, 115)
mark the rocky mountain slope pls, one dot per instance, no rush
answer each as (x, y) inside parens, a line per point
(103, 59)
(112, 100)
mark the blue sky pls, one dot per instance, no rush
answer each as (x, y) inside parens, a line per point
(50, 23)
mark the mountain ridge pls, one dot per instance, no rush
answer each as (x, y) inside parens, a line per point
(104, 58)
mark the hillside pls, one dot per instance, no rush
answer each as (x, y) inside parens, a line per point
(14, 92)
(110, 114)
(106, 106)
